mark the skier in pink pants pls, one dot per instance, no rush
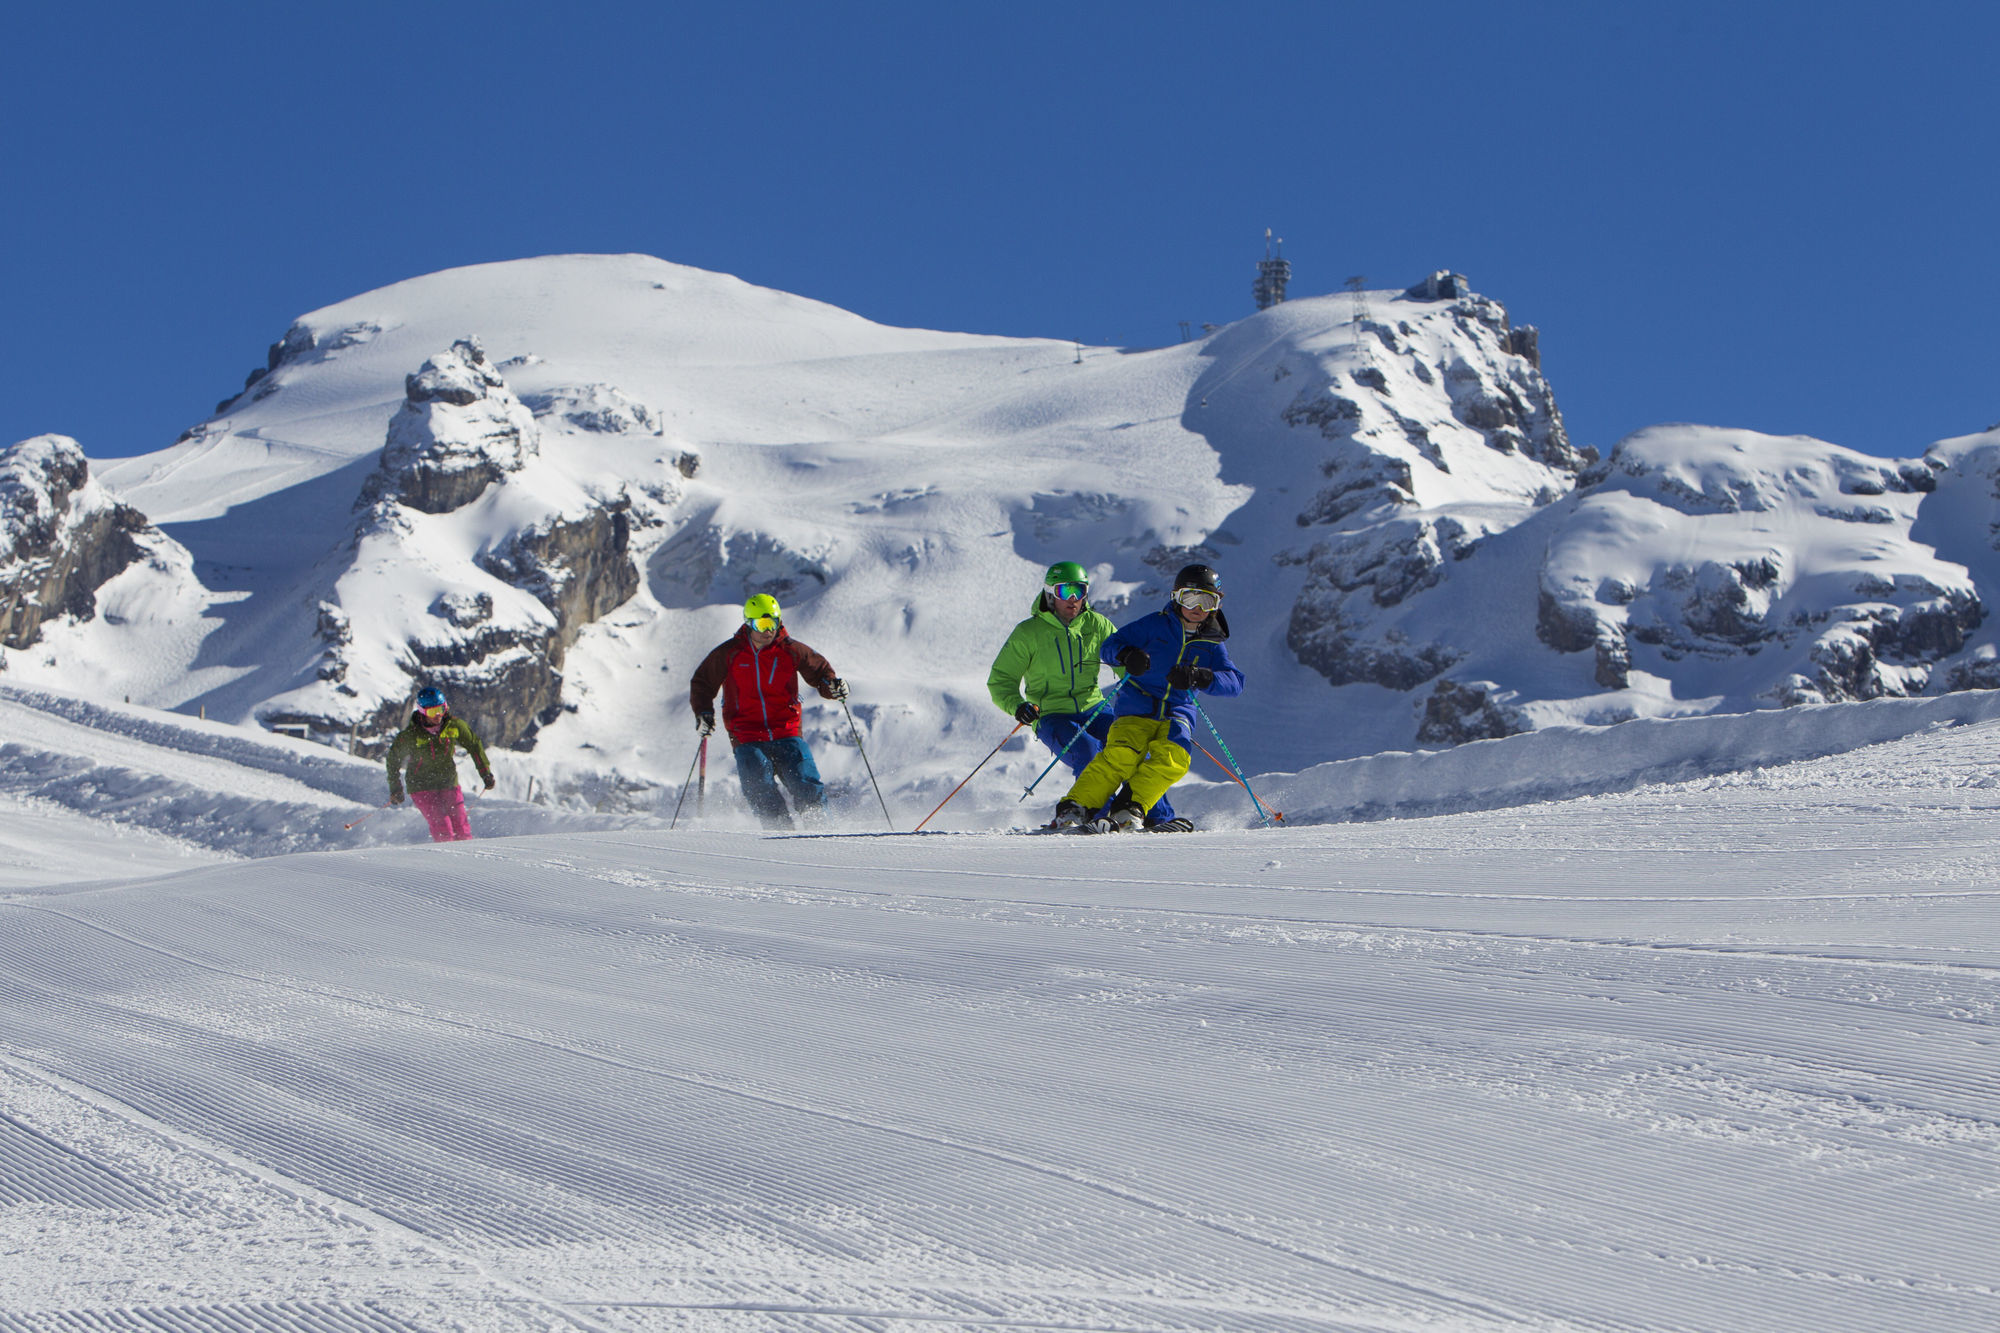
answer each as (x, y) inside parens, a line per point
(424, 750)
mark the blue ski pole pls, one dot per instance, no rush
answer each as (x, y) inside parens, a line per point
(1102, 704)
(1236, 769)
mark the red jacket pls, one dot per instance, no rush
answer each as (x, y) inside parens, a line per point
(760, 690)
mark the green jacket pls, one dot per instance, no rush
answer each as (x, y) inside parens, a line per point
(429, 759)
(1055, 663)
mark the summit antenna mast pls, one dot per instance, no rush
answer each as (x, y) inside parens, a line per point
(1362, 352)
(1272, 274)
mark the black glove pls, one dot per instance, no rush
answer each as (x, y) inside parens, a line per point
(395, 798)
(488, 779)
(1027, 714)
(1134, 659)
(1188, 676)
(704, 723)
(836, 688)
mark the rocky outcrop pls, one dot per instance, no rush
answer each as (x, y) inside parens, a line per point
(1335, 627)
(504, 670)
(1498, 390)
(510, 676)
(499, 657)
(1435, 406)
(1457, 712)
(1883, 650)
(1358, 483)
(1788, 576)
(579, 567)
(459, 430)
(62, 537)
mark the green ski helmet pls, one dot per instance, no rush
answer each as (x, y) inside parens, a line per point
(1065, 571)
(762, 612)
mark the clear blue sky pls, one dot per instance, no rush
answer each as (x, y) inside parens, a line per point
(1777, 216)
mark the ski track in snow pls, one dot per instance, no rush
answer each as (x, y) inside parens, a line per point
(1716, 1055)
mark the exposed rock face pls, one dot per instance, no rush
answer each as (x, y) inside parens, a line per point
(1433, 403)
(580, 567)
(1359, 483)
(509, 676)
(62, 537)
(1336, 628)
(1855, 628)
(1474, 711)
(1880, 651)
(498, 665)
(1498, 390)
(460, 429)
(1419, 394)
(493, 631)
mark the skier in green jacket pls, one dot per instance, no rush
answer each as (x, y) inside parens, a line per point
(424, 750)
(1052, 655)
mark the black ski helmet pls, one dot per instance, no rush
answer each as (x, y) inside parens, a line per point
(1198, 576)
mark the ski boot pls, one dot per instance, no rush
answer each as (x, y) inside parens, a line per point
(1123, 817)
(1070, 817)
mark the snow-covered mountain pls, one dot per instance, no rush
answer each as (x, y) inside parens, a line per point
(549, 484)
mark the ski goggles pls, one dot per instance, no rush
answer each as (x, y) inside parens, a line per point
(434, 712)
(763, 624)
(1069, 592)
(1197, 599)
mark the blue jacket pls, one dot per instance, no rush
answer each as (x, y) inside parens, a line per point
(1167, 641)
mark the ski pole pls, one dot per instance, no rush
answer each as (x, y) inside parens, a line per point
(865, 764)
(370, 815)
(1277, 815)
(968, 777)
(701, 783)
(1236, 769)
(1102, 704)
(699, 752)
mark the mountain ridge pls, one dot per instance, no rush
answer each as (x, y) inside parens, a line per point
(1415, 553)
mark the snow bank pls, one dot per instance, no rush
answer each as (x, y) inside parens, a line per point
(1563, 762)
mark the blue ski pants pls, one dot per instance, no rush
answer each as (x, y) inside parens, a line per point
(762, 765)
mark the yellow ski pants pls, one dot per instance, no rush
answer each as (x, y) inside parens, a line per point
(1136, 751)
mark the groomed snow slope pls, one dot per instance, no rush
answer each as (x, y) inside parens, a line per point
(1715, 1056)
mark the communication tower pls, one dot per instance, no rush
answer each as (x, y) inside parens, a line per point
(1362, 351)
(1272, 274)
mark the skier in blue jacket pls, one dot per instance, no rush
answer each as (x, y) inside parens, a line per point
(1166, 658)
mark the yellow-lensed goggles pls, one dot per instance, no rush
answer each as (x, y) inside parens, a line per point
(1197, 599)
(763, 624)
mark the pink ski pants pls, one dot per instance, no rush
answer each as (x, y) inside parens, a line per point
(444, 811)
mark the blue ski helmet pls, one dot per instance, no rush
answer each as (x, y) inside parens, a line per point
(430, 696)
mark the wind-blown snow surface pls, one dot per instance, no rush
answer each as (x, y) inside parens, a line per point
(1719, 1055)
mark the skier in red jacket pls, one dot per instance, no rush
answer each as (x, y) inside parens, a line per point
(757, 672)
